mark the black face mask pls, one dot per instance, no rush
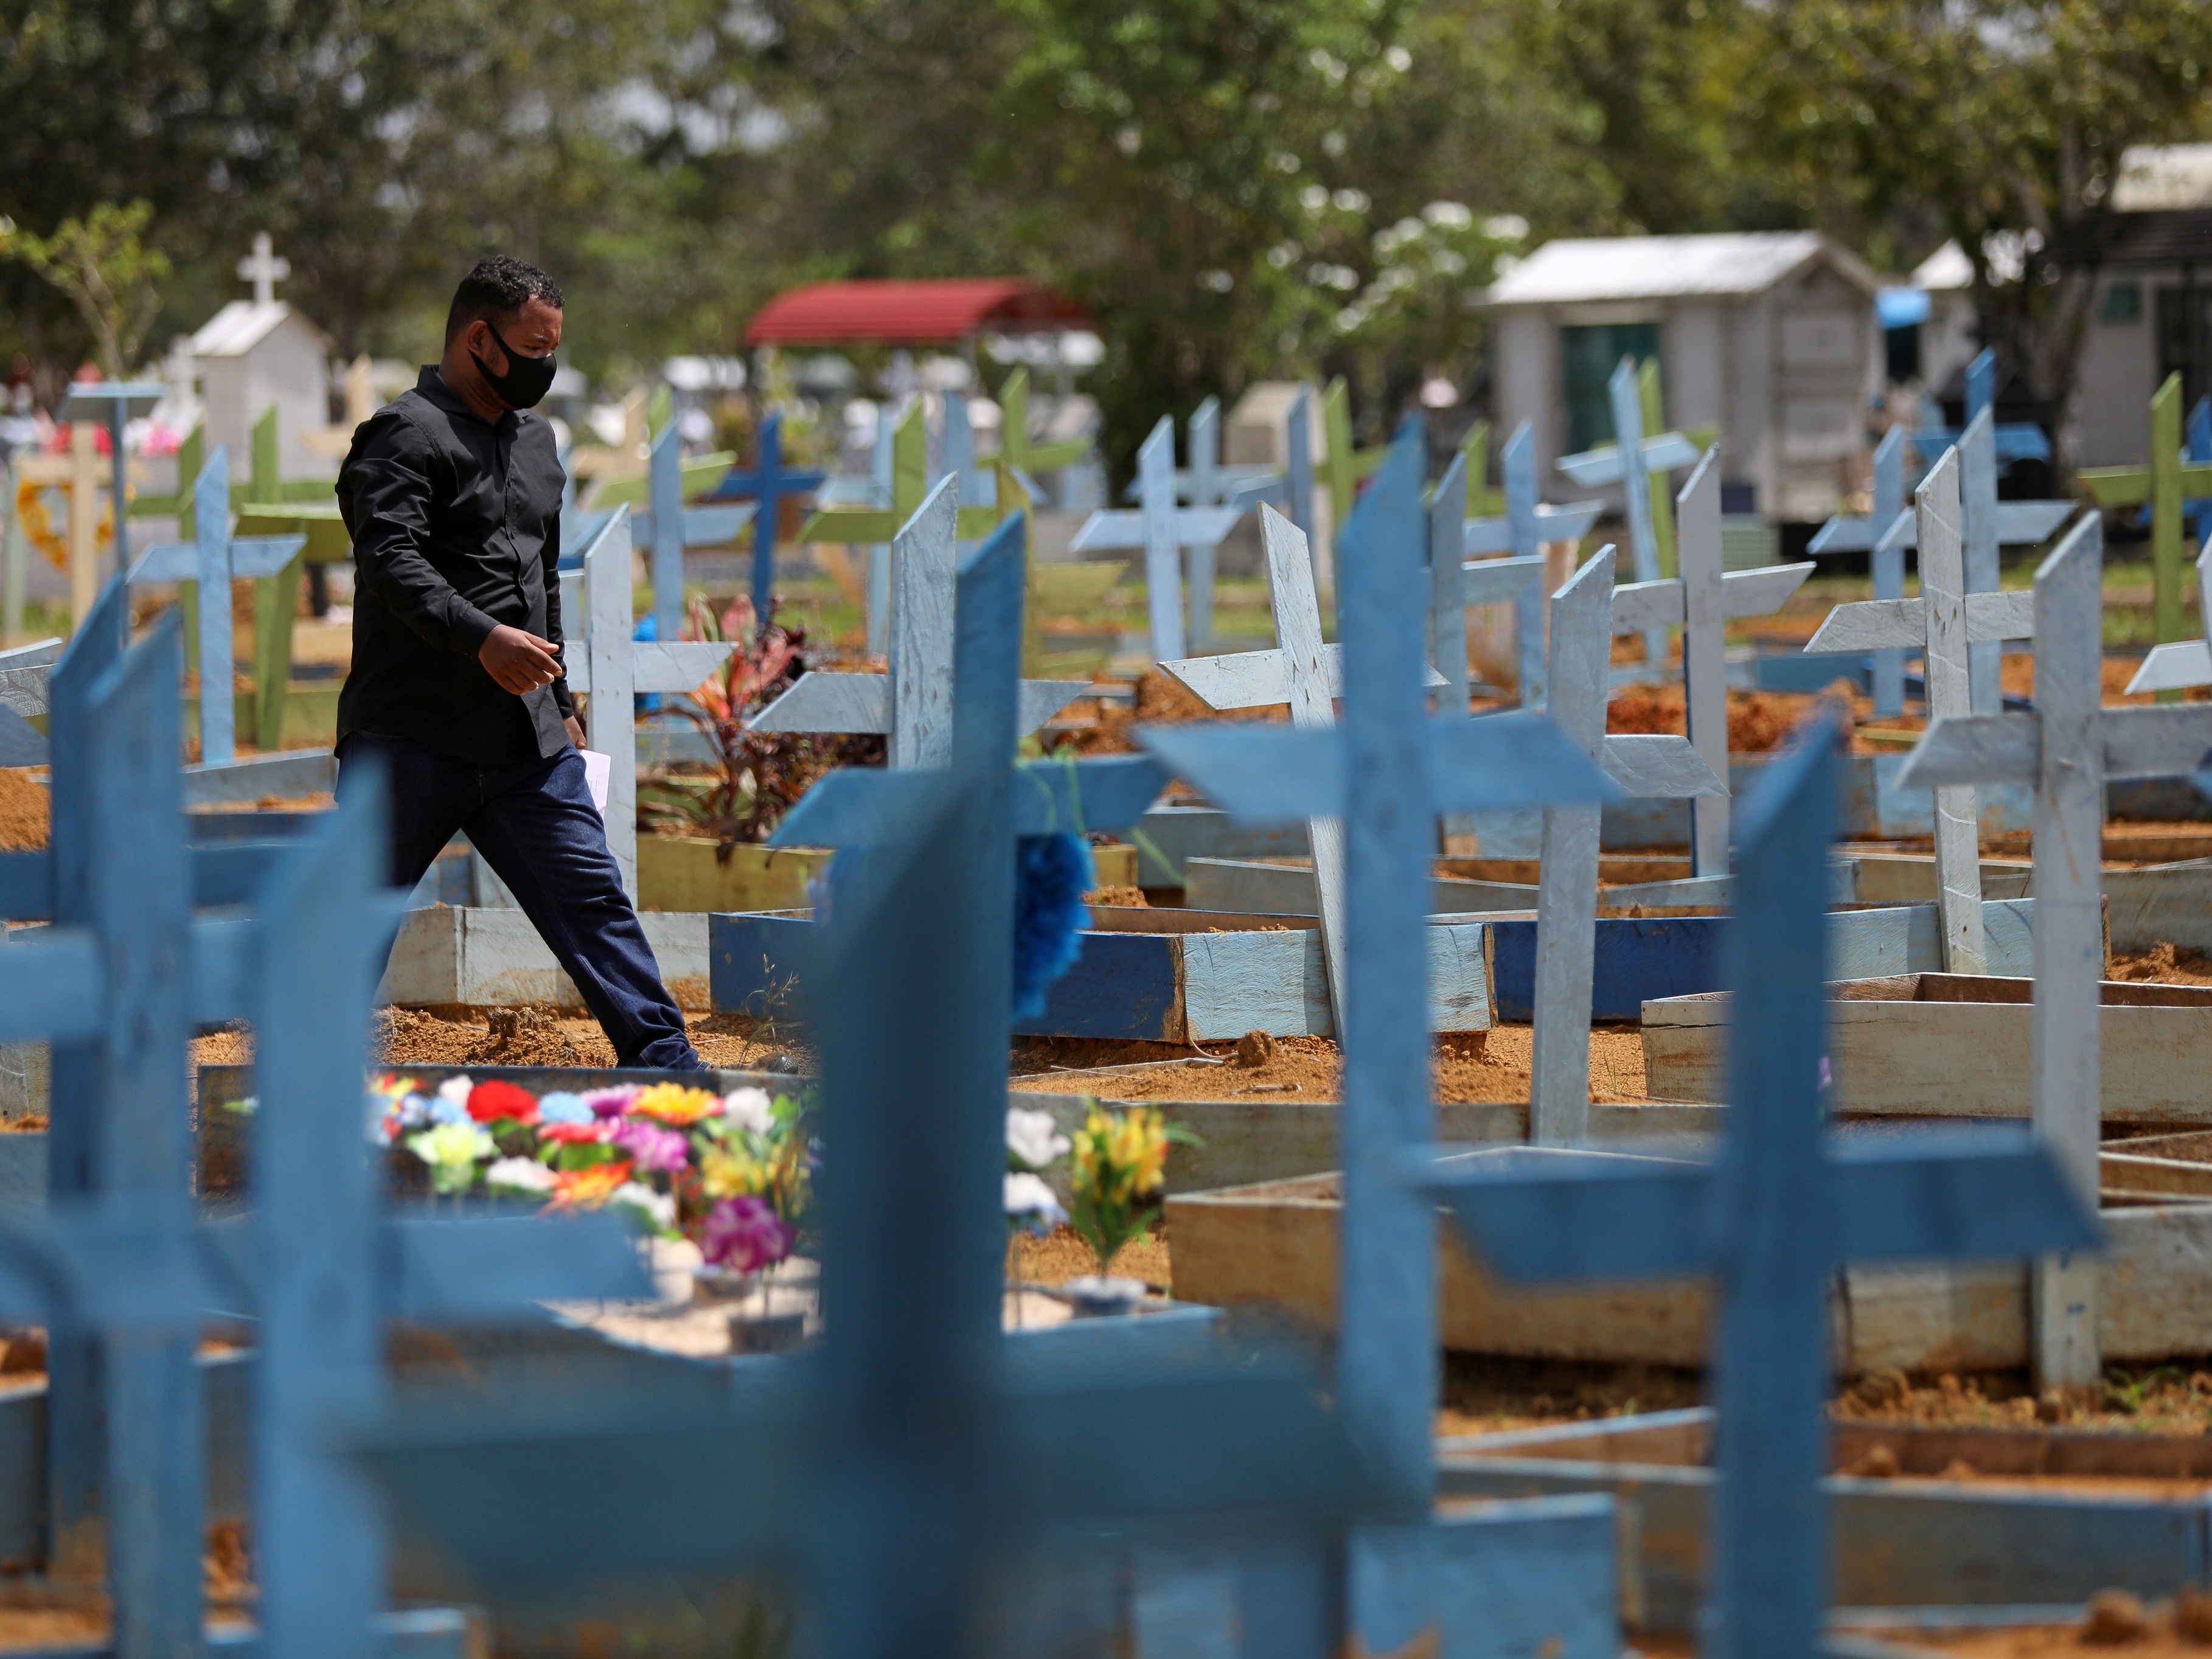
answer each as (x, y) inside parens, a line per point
(527, 379)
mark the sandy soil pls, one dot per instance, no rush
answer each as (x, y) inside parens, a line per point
(2166, 1400)
(1162, 700)
(1060, 1256)
(2164, 964)
(518, 1037)
(1485, 1393)
(1758, 722)
(2117, 1620)
(25, 816)
(1483, 1066)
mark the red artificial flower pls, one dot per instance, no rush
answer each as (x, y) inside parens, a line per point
(495, 1099)
(573, 1133)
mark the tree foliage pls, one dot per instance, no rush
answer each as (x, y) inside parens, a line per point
(1237, 188)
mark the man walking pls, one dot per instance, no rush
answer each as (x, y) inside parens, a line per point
(451, 495)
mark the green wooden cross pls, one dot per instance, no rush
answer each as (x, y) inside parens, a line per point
(1346, 465)
(192, 456)
(1014, 445)
(2163, 483)
(271, 504)
(1482, 502)
(879, 525)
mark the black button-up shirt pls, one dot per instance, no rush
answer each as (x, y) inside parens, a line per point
(456, 528)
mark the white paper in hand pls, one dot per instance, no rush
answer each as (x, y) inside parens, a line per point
(598, 772)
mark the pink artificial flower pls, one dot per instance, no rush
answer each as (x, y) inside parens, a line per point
(655, 1149)
(745, 1235)
(612, 1103)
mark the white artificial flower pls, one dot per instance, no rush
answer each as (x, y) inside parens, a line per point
(520, 1174)
(659, 1207)
(1030, 1202)
(1033, 1138)
(749, 1108)
(456, 1089)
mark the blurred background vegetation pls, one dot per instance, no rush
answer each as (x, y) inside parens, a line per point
(1234, 187)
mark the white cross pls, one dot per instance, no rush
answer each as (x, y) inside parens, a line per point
(1307, 675)
(1702, 601)
(1648, 768)
(1941, 624)
(2069, 748)
(610, 668)
(913, 705)
(1663, 453)
(2180, 664)
(263, 269)
(1164, 529)
(1527, 525)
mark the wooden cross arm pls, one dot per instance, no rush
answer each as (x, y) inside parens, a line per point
(1116, 528)
(1258, 679)
(2130, 486)
(2019, 524)
(865, 806)
(501, 1488)
(1640, 605)
(1275, 774)
(1499, 581)
(1070, 798)
(1653, 766)
(1881, 624)
(438, 1270)
(1539, 1215)
(1554, 524)
(696, 478)
(1845, 535)
(250, 556)
(823, 701)
(1669, 452)
(2172, 667)
(676, 666)
(2138, 743)
(874, 525)
(704, 526)
(53, 985)
(94, 1264)
(1050, 458)
(24, 674)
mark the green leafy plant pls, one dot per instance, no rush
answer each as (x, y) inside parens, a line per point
(1118, 1169)
(102, 263)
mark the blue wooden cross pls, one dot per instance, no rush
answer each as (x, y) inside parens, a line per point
(1774, 1217)
(117, 401)
(212, 560)
(2020, 441)
(1663, 453)
(916, 705)
(669, 527)
(767, 481)
(1290, 490)
(1528, 524)
(2068, 749)
(1166, 532)
(884, 1465)
(1385, 773)
(118, 985)
(1870, 536)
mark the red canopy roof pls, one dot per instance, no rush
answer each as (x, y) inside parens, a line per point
(909, 313)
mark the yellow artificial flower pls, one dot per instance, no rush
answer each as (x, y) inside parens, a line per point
(725, 1174)
(672, 1103)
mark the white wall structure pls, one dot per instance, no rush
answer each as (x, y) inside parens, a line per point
(256, 352)
(1770, 335)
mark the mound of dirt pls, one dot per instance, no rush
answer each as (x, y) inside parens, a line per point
(26, 815)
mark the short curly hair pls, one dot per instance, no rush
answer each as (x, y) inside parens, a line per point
(497, 288)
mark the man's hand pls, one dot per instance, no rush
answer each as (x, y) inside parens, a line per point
(518, 662)
(575, 730)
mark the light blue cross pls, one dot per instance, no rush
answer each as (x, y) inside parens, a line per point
(1164, 532)
(669, 527)
(1386, 773)
(213, 559)
(1666, 452)
(1773, 1217)
(1518, 578)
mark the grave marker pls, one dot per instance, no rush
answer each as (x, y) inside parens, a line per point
(1774, 1216)
(1661, 454)
(114, 402)
(767, 481)
(1647, 766)
(611, 667)
(1522, 534)
(1017, 449)
(668, 527)
(1941, 623)
(916, 704)
(2020, 441)
(1702, 601)
(2069, 748)
(210, 561)
(1308, 676)
(2179, 664)
(1166, 532)
(1380, 781)
(2161, 485)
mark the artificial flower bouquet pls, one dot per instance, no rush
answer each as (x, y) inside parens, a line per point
(732, 1172)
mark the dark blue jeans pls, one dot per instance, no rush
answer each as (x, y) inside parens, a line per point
(536, 826)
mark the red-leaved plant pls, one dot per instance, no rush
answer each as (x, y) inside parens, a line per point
(758, 775)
